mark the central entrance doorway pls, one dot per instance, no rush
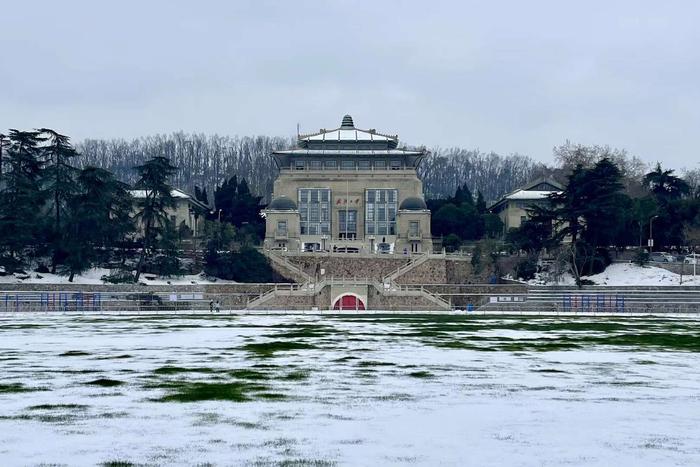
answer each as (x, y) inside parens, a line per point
(349, 302)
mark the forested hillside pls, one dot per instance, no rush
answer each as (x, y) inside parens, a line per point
(209, 160)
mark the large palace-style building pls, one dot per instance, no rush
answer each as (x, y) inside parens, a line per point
(348, 190)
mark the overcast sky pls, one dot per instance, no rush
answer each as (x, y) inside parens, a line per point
(504, 76)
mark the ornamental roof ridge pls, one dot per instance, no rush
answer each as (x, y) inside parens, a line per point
(371, 131)
(347, 124)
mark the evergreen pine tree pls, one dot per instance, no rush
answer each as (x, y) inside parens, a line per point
(21, 196)
(4, 142)
(99, 217)
(480, 203)
(59, 183)
(151, 211)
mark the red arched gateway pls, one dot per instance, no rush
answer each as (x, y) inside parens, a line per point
(349, 302)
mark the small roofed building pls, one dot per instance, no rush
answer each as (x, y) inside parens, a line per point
(187, 210)
(513, 207)
(348, 190)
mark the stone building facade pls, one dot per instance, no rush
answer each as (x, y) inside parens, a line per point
(348, 190)
(513, 207)
(185, 210)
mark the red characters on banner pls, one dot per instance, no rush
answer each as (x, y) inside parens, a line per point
(345, 201)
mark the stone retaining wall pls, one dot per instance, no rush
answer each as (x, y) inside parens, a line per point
(374, 267)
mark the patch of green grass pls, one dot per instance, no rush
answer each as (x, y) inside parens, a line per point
(268, 349)
(421, 374)
(15, 417)
(370, 363)
(459, 345)
(248, 374)
(16, 387)
(105, 382)
(173, 370)
(306, 331)
(297, 375)
(237, 391)
(58, 407)
(345, 359)
(23, 326)
(396, 397)
(249, 425)
(74, 353)
(115, 357)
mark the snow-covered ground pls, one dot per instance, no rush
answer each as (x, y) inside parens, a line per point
(84, 390)
(94, 276)
(619, 274)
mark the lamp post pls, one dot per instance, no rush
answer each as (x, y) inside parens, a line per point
(651, 235)
(217, 211)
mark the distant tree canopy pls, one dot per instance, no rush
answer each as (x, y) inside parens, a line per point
(461, 218)
(203, 161)
(208, 161)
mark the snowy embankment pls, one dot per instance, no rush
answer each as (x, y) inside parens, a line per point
(630, 274)
(94, 276)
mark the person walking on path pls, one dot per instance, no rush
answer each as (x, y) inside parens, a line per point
(211, 306)
(217, 306)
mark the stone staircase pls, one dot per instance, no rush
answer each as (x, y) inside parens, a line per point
(412, 264)
(286, 268)
(413, 291)
(266, 300)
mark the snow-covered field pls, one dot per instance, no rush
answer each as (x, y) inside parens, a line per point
(373, 390)
(623, 274)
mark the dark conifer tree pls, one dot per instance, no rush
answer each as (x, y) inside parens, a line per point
(21, 196)
(151, 212)
(59, 183)
(99, 217)
(4, 142)
(480, 203)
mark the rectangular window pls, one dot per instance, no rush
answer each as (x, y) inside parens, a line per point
(379, 165)
(298, 165)
(413, 228)
(395, 165)
(330, 165)
(347, 165)
(380, 211)
(315, 165)
(282, 227)
(347, 222)
(363, 165)
(315, 211)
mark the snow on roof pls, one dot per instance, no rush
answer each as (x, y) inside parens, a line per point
(347, 135)
(361, 152)
(530, 194)
(175, 193)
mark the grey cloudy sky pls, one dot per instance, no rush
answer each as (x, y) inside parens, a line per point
(505, 76)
